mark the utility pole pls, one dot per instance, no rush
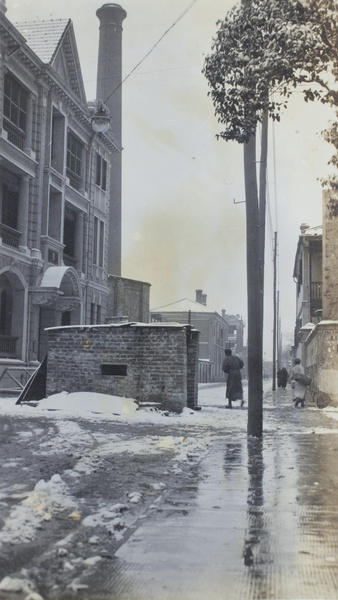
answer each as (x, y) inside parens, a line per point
(274, 314)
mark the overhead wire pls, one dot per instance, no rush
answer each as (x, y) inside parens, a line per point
(189, 7)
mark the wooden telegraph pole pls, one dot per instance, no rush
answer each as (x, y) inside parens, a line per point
(274, 314)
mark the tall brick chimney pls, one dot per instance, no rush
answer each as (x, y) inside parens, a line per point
(109, 90)
(3, 6)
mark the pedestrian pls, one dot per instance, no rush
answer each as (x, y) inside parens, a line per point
(283, 377)
(299, 388)
(232, 366)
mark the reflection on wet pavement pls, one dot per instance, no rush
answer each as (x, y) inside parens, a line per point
(261, 523)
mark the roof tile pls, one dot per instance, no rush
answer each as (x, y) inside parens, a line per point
(43, 37)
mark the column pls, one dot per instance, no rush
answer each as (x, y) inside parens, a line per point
(29, 124)
(79, 241)
(23, 213)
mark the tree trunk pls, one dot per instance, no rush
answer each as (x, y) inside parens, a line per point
(254, 293)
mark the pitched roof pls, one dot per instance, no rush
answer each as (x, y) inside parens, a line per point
(318, 230)
(44, 37)
(183, 305)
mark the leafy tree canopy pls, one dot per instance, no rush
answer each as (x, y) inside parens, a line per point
(262, 51)
(325, 12)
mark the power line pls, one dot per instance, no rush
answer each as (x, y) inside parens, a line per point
(152, 48)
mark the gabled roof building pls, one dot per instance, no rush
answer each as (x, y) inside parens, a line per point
(60, 182)
(217, 332)
(316, 340)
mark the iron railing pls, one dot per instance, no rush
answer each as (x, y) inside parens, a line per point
(8, 346)
(316, 291)
(9, 236)
(14, 134)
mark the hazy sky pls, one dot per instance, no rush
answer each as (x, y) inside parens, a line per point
(181, 228)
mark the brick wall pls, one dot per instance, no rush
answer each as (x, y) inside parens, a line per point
(151, 363)
(192, 373)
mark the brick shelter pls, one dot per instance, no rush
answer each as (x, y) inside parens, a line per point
(149, 362)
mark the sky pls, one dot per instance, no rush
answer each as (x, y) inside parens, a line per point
(183, 190)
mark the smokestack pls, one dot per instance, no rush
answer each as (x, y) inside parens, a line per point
(204, 299)
(3, 6)
(109, 90)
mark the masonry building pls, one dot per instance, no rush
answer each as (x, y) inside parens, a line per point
(317, 334)
(60, 183)
(307, 275)
(217, 332)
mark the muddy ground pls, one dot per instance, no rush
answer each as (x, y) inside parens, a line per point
(31, 449)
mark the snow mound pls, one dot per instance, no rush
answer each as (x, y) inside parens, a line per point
(89, 402)
(10, 584)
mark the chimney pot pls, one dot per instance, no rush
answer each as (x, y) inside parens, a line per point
(199, 296)
(304, 227)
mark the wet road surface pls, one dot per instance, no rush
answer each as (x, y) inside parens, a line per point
(261, 523)
(252, 519)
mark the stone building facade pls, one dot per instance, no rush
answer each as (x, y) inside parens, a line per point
(150, 363)
(321, 343)
(60, 183)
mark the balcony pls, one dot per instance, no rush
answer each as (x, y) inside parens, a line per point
(10, 237)
(315, 297)
(14, 134)
(74, 180)
(8, 346)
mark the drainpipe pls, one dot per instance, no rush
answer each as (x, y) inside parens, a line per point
(109, 90)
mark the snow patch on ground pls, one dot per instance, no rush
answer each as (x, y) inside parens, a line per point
(40, 505)
(110, 519)
(97, 407)
(80, 402)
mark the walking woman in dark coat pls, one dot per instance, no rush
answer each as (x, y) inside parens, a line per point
(232, 366)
